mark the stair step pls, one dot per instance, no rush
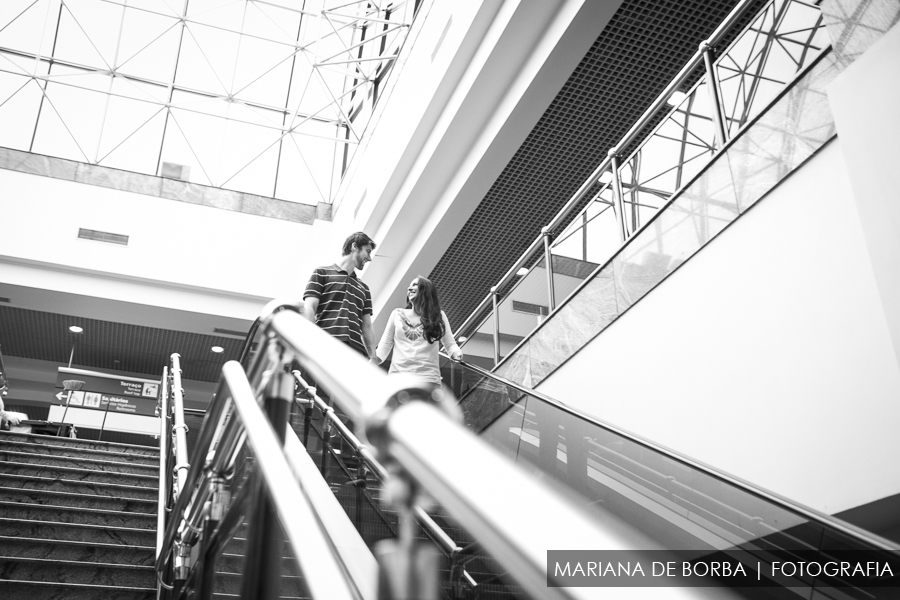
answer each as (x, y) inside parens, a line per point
(34, 590)
(72, 473)
(74, 500)
(76, 515)
(93, 464)
(53, 450)
(76, 532)
(50, 440)
(86, 552)
(73, 486)
(70, 571)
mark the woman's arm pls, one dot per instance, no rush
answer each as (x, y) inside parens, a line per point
(450, 345)
(387, 340)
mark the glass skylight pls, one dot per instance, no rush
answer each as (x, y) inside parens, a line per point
(266, 97)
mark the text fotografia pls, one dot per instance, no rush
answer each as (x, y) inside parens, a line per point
(732, 568)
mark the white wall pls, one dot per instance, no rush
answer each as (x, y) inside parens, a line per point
(767, 355)
(179, 255)
(457, 112)
(864, 102)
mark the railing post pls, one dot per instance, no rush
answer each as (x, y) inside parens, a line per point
(619, 206)
(327, 426)
(496, 326)
(548, 259)
(265, 540)
(715, 99)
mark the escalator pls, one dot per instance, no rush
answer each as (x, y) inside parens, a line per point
(663, 501)
(379, 493)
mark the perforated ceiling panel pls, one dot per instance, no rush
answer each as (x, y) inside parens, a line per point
(111, 346)
(638, 53)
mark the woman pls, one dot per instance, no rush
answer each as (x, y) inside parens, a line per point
(413, 333)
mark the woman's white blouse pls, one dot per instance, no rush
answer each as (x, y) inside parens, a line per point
(412, 352)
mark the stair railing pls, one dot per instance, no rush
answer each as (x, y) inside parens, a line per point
(618, 183)
(413, 432)
(416, 435)
(368, 463)
(173, 449)
(204, 513)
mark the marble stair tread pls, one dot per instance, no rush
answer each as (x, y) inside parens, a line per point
(98, 488)
(79, 515)
(52, 450)
(77, 474)
(70, 571)
(46, 590)
(51, 440)
(75, 500)
(53, 549)
(108, 466)
(77, 532)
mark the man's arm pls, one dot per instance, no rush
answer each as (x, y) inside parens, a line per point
(310, 308)
(368, 333)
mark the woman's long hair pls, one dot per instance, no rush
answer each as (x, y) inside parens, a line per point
(427, 306)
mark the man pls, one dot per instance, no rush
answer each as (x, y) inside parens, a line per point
(339, 302)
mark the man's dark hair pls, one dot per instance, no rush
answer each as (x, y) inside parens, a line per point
(360, 239)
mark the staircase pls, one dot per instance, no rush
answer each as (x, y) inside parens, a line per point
(77, 519)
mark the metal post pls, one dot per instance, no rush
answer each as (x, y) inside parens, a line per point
(619, 206)
(326, 439)
(496, 327)
(265, 541)
(548, 259)
(715, 98)
(179, 428)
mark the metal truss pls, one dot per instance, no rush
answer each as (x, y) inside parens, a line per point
(269, 97)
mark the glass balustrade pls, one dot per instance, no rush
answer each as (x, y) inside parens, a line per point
(786, 37)
(655, 499)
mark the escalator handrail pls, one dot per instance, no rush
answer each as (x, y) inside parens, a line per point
(810, 513)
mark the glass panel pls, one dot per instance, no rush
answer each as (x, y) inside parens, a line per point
(783, 39)
(675, 152)
(654, 501)
(525, 304)
(478, 346)
(278, 77)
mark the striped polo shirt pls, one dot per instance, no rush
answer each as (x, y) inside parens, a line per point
(343, 300)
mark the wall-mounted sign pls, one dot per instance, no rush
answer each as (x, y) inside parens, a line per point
(112, 393)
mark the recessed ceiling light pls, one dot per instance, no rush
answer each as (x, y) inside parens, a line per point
(522, 272)
(75, 329)
(217, 349)
(606, 177)
(676, 98)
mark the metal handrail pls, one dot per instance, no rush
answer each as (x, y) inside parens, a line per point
(178, 427)
(163, 459)
(476, 485)
(433, 529)
(235, 418)
(695, 61)
(753, 489)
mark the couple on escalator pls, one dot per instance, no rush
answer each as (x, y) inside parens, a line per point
(340, 303)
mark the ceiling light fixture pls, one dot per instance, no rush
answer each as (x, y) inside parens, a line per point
(217, 349)
(76, 329)
(522, 272)
(676, 98)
